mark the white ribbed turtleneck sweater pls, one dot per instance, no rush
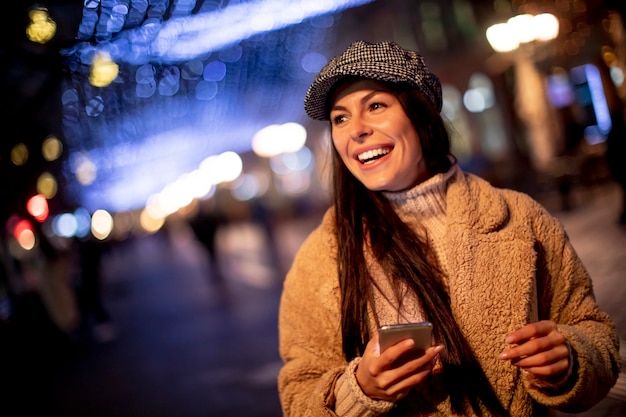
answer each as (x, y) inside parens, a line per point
(423, 208)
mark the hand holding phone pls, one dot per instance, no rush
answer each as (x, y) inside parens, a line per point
(421, 333)
(391, 375)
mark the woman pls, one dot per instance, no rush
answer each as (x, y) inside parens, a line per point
(412, 238)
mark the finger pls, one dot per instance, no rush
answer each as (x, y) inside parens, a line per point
(546, 357)
(552, 370)
(518, 352)
(407, 375)
(528, 348)
(394, 352)
(414, 364)
(401, 387)
(530, 331)
(410, 364)
(532, 349)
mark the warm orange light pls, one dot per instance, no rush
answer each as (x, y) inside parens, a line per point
(521, 29)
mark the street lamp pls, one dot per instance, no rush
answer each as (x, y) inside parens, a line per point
(522, 29)
(522, 36)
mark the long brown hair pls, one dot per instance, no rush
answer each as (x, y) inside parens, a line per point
(363, 214)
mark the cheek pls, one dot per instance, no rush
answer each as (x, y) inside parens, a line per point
(413, 144)
(340, 147)
(416, 153)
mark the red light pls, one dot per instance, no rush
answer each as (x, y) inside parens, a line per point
(25, 234)
(37, 206)
(21, 227)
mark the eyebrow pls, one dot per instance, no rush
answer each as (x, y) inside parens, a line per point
(363, 99)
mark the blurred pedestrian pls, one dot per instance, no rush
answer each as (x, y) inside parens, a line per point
(205, 225)
(95, 317)
(263, 215)
(616, 156)
(573, 134)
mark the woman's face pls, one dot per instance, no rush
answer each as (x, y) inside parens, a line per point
(375, 138)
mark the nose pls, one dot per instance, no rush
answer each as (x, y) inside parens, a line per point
(359, 129)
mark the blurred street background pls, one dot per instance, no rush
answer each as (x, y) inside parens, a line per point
(158, 174)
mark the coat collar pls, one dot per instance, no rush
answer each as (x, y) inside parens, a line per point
(475, 204)
(465, 200)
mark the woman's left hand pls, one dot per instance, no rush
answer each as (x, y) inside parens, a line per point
(540, 350)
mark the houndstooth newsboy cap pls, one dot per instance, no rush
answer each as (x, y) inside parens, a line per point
(384, 61)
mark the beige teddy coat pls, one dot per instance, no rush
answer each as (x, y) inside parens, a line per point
(511, 264)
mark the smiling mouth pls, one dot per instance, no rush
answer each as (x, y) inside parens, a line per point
(373, 154)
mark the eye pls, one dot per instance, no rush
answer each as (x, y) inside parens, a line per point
(377, 105)
(338, 119)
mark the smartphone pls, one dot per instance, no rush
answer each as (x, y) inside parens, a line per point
(421, 333)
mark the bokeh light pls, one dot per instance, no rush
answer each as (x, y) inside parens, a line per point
(19, 154)
(41, 28)
(101, 224)
(47, 185)
(51, 148)
(37, 207)
(24, 234)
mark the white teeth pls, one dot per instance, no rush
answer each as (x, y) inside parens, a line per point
(368, 156)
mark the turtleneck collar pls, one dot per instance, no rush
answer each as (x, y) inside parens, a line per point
(427, 198)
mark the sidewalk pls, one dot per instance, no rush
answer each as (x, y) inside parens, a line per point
(601, 244)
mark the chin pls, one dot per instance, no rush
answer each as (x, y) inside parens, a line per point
(380, 187)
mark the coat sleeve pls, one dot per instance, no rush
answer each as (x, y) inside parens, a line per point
(315, 377)
(566, 296)
(309, 330)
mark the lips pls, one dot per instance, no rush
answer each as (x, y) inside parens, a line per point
(373, 154)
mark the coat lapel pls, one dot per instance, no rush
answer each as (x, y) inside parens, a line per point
(491, 261)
